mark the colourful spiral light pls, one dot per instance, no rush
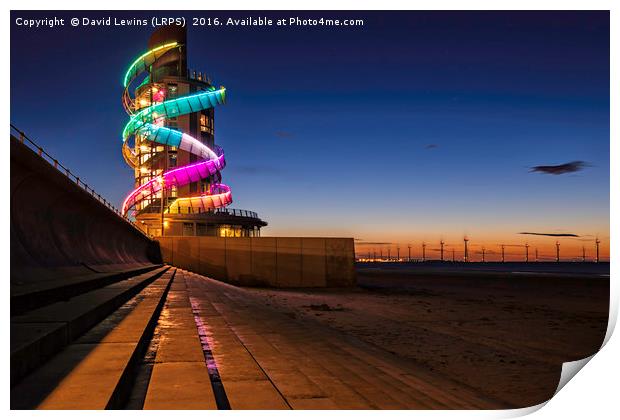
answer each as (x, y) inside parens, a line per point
(148, 122)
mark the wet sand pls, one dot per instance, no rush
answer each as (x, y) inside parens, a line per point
(502, 334)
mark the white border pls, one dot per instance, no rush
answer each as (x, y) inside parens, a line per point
(593, 394)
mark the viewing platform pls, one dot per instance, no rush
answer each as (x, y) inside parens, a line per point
(196, 221)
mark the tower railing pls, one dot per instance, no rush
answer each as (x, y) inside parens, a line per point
(24, 139)
(198, 75)
(177, 209)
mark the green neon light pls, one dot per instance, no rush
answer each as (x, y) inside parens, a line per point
(143, 56)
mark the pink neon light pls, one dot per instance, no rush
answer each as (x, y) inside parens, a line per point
(178, 178)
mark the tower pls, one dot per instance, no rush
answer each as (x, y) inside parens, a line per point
(557, 251)
(169, 142)
(483, 252)
(423, 251)
(503, 260)
(597, 246)
(409, 252)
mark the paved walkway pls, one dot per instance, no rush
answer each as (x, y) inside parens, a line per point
(267, 360)
(190, 342)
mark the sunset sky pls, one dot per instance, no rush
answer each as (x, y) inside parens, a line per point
(415, 127)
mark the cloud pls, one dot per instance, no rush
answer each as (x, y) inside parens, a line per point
(570, 235)
(565, 168)
(431, 146)
(284, 134)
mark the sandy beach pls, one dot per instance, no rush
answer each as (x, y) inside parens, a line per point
(501, 334)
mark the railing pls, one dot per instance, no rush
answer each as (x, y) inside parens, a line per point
(24, 139)
(230, 212)
(172, 209)
(200, 76)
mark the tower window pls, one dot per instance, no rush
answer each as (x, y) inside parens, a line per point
(205, 123)
(188, 229)
(172, 90)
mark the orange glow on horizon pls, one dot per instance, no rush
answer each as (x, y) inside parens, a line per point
(542, 250)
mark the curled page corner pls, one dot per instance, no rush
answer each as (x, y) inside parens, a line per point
(570, 369)
(520, 412)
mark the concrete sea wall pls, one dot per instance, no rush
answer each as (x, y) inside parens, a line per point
(58, 230)
(265, 261)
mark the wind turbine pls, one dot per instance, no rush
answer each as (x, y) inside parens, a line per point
(466, 256)
(441, 243)
(527, 252)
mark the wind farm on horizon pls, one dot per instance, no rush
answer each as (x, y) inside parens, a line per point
(468, 252)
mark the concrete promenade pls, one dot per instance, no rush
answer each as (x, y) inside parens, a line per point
(189, 342)
(266, 360)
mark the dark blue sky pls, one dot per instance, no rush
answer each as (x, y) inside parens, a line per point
(416, 125)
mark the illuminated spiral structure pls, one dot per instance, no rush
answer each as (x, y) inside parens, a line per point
(169, 142)
(148, 123)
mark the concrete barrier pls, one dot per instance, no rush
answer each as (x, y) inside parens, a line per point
(265, 261)
(58, 230)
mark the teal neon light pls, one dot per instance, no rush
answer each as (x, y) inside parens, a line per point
(161, 135)
(175, 108)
